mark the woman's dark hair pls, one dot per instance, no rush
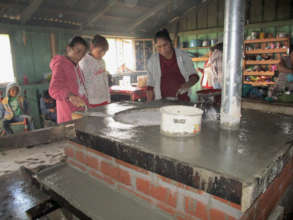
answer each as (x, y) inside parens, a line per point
(100, 41)
(77, 40)
(218, 46)
(291, 49)
(163, 34)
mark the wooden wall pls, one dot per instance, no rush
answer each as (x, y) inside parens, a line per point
(32, 52)
(211, 14)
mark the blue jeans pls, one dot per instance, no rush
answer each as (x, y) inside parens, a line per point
(6, 123)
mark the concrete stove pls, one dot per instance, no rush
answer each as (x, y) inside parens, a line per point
(218, 174)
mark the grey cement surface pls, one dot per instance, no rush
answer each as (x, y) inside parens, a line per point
(95, 199)
(243, 155)
(281, 108)
(17, 195)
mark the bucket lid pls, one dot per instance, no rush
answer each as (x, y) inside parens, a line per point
(181, 110)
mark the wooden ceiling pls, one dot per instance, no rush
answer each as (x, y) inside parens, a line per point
(114, 17)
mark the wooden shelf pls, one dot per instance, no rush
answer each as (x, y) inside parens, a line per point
(194, 48)
(259, 73)
(259, 83)
(200, 59)
(266, 40)
(256, 62)
(260, 51)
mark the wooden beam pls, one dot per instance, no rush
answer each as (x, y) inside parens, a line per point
(149, 14)
(95, 17)
(30, 10)
(220, 29)
(53, 44)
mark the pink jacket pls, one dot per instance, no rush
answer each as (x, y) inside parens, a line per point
(63, 82)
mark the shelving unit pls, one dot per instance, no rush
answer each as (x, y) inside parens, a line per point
(261, 62)
(260, 73)
(194, 48)
(259, 83)
(264, 51)
(261, 48)
(197, 59)
(200, 59)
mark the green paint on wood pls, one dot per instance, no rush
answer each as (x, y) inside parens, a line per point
(41, 55)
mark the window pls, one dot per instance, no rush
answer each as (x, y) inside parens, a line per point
(120, 56)
(7, 72)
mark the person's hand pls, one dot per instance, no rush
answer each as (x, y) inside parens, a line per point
(185, 86)
(199, 69)
(76, 101)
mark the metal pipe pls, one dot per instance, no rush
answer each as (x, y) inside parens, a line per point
(232, 64)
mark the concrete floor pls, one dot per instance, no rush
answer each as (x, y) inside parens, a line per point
(17, 194)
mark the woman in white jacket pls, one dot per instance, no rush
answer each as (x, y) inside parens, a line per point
(170, 71)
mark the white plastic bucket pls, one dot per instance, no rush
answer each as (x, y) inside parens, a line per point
(180, 120)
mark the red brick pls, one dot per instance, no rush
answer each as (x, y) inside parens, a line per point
(81, 147)
(216, 214)
(236, 206)
(172, 199)
(130, 166)
(231, 218)
(201, 211)
(75, 164)
(249, 214)
(180, 185)
(69, 152)
(80, 156)
(165, 179)
(124, 177)
(186, 202)
(185, 217)
(93, 162)
(167, 209)
(159, 192)
(98, 153)
(110, 170)
(135, 193)
(180, 218)
(190, 207)
(143, 185)
(100, 177)
(221, 200)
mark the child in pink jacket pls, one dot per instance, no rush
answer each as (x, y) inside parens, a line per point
(67, 83)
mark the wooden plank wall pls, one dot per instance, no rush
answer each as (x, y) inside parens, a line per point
(206, 21)
(32, 52)
(211, 13)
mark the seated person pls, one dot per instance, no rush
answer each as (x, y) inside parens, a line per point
(48, 107)
(14, 108)
(285, 68)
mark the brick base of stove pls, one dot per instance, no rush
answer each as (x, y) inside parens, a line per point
(178, 200)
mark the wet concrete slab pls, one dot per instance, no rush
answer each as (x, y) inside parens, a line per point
(18, 195)
(236, 166)
(97, 200)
